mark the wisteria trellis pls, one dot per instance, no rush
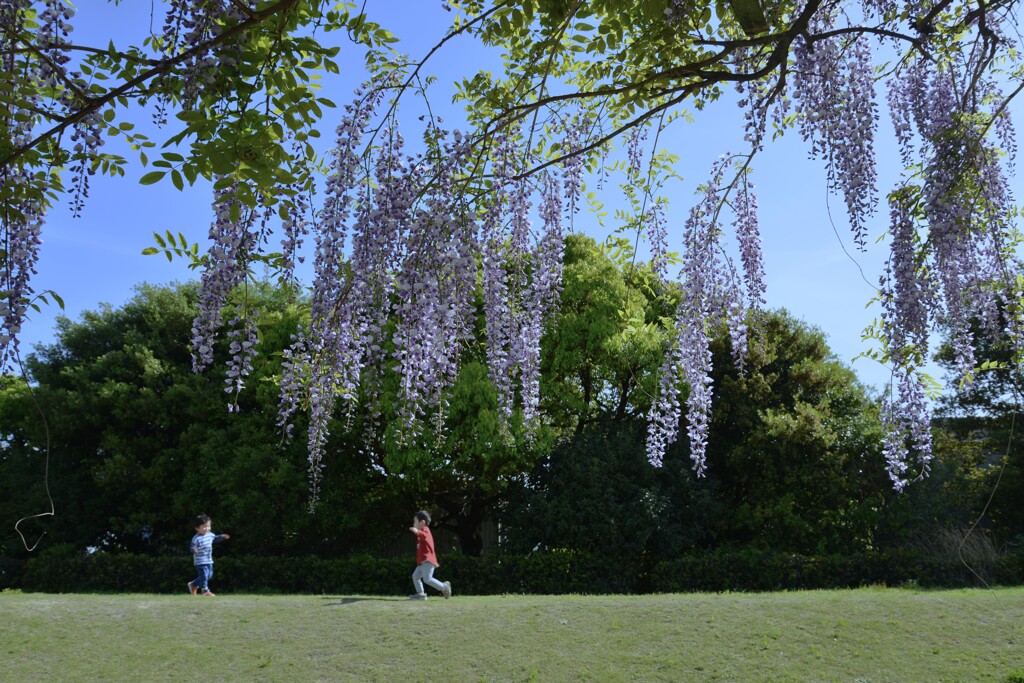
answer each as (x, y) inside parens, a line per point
(401, 238)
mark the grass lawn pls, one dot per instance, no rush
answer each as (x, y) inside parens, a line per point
(859, 635)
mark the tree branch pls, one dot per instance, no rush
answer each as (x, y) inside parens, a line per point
(242, 7)
(95, 104)
(419, 65)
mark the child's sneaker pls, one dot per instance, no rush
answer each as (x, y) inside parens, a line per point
(418, 596)
(447, 592)
(192, 588)
(207, 594)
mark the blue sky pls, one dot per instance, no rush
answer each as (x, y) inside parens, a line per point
(812, 268)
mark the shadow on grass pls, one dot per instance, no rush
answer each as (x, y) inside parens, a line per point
(335, 601)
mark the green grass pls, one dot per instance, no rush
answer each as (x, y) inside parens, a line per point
(860, 635)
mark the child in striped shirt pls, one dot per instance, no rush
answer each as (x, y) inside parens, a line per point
(202, 552)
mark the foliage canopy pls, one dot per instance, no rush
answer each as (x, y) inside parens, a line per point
(397, 232)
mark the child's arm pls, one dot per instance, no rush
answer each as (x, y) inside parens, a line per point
(221, 537)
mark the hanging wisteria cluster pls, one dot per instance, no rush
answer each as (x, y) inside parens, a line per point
(234, 236)
(22, 229)
(189, 23)
(959, 200)
(711, 291)
(398, 248)
(406, 241)
(952, 253)
(833, 88)
(521, 274)
(25, 195)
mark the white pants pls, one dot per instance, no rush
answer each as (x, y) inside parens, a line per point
(424, 574)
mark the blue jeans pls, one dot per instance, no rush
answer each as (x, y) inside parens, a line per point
(424, 574)
(204, 572)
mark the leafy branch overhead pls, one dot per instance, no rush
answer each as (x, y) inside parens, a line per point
(405, 241)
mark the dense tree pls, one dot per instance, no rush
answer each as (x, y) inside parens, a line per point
(596, 492)
(237, 77)
(797, 442)
(795, 438)
(796, 466)
(138, 444)
(602, 349)
(980, 431)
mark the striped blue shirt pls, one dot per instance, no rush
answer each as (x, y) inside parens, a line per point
(203, 545)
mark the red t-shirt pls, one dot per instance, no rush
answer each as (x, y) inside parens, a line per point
(425, 547)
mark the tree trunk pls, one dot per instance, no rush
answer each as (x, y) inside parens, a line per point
(467, 520)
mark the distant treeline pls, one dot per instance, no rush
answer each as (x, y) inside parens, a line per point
(133, 445)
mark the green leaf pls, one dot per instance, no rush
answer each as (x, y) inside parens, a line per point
(152, 177)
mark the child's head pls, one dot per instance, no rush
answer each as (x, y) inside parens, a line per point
(423, 516)
(202, 523)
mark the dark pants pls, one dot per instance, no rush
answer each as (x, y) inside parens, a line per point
(204, 572)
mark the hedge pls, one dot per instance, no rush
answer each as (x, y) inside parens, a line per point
(548, 572)
(751, 570)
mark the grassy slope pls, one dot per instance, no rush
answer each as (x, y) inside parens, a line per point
(863, 635)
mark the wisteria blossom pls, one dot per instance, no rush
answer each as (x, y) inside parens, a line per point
(22, 238)
(409, 238)
(712, 293)
(226, 268)
(22, 217)
(833, 88)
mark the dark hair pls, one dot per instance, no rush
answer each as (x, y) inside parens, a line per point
(201, 520)
(423, 516)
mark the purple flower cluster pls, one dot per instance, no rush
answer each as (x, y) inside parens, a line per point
(226, 267)
(711, 293)
(759, 98)
(748, 235)
(572, 176)
(951, 224)
(436, 279)
(500, 283)
(51, 72)
(521, 274)
(86, 139)
(906, 290)
(700, 274)
(635, 150)
(189, 23)
(21, 219)
(325, 361)
(656, 226)
(906, 423)
(295, 224)
(545, 289)
(833, 87)
(20, 236)
(243, 334)
(54, 29)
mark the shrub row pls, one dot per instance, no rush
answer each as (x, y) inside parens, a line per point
(752, 570)
(551, 572)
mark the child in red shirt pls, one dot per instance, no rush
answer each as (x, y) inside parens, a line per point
(426, 560)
